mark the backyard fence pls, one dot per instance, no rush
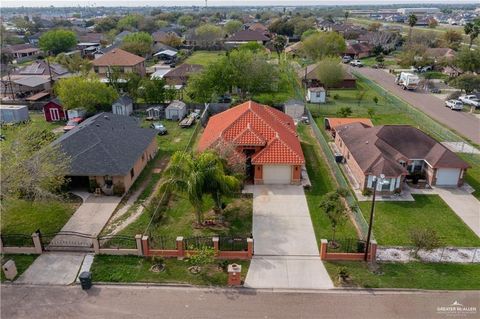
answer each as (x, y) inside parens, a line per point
(357, 215)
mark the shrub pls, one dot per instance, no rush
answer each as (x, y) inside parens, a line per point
(336, 97)
(454, 95)
(92, 185)
(424, 238)
(203, 256)
(345, 111)
(118, 189)
(367, 192)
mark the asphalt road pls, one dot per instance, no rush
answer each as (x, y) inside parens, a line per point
(464, 123)
(20, 301)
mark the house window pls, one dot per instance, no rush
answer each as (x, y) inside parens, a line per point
(143, 157)
(132, 173)
(403, 163)
(108, 180)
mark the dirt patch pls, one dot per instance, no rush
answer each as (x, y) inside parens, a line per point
(176, 140)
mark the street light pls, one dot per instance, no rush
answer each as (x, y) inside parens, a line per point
(382, 181)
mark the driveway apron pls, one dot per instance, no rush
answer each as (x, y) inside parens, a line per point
(286, 251)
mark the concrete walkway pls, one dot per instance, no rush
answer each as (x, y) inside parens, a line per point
(286, 252)
(53, 269)
(464, 204)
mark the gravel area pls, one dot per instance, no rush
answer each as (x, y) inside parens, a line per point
(444, 255)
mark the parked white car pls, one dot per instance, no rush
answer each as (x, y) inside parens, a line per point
(470, 100)
(454, 105)
(346, 59)
(356, 63)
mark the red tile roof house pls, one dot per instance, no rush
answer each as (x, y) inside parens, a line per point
(331, 123)
(53, 111)
(263, 137)
(124, 61)
(397, 151)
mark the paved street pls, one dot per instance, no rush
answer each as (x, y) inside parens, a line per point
(462, 122)
(286, 252)
(162, 302)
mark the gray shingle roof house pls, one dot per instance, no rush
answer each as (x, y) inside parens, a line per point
(397, 151)
(109, 149)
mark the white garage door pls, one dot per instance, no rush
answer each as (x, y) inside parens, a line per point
(277, 174)
(447, 176)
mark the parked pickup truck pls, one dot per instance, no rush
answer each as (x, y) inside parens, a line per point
(187, 122)
(470, 100)
(356, 63)
(454, 105)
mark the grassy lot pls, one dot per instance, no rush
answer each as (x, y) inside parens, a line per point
(394, 221)
(22, 262)
(204, 57)
(410, 275)
(322, 183)
(179, 219)
(360, 100)
(37, 120)
(137, 269)
(473, 174)
(24, 217)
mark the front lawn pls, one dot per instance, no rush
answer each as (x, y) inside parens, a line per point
(24, 217)
(137, 269)
(204, 57)
(409, 275)
(394, 221)
(22, 262)
(179, 219)
(322, 183)
(473, 174)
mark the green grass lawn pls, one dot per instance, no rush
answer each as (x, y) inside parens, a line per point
(179, 219)
(409, 275)
(37, 120)
(473, 174)
(137, 269)
(24, 217)
(204, 57)
(22, 262)
(322, 183)
(394, 221)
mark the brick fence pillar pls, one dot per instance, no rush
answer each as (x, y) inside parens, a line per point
(215, 245)
(250, 247)
(373, 250)
(37, 243)
(138, 241)
(323, 249)
(96, 244)
(145, 246)
(180, 248)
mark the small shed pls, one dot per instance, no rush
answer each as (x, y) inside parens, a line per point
(176, 110)
(316, 95)
(53, 111)
(294, 108)
(73, 113)
(154, 113)
(14, 114)
(123, 106)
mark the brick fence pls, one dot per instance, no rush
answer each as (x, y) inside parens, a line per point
(347, 256)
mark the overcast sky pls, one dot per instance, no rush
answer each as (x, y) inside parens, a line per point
(74, 3)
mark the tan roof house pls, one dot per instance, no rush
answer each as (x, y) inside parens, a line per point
(122, 60)
(397, 151)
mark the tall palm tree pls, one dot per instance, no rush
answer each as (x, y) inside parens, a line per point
(197, 176)
(472, 29)
(346, 14)
(412, 21)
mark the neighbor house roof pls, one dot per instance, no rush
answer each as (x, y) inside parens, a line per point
(180, 74)
(255, 124)
(333, 122)
(378, 150)
(105, 144)
(440, 52)
(21, 48)
(248, 35)
(118, 57)
(258, 27)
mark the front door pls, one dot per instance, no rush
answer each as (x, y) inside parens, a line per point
(54, 114)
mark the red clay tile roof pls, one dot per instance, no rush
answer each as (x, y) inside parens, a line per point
(336, 121)
(255, 124)
(118, 57)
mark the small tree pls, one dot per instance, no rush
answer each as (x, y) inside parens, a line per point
(345, 111)
(330, 72)
(424, 238)
(233, 26)
(375, 100)
(279, 43)
(472, 29)
(467, 82)
(139, 43)
(333, 206)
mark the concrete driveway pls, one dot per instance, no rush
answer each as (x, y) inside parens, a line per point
(464, 123)
(286, 252)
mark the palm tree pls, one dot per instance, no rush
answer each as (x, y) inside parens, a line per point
(346, 14)
(412, 21)
(197, 176)
(472, 29)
